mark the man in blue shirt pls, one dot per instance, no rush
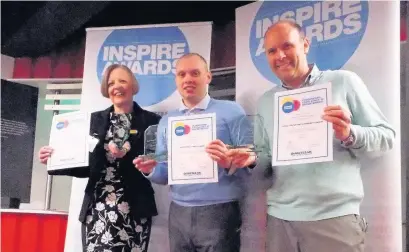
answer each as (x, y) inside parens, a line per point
(315, 207)
(202, 217)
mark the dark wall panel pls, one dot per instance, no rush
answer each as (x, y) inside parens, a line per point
(18, 122)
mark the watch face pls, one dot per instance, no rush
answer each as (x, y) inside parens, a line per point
(349, 140)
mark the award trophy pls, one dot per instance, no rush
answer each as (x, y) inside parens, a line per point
(245, 128)
(150, 141)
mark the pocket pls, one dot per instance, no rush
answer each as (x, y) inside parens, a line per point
(361, 223)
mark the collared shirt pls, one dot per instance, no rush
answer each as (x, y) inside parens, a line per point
(230, 187)
(314, 75)
(202, 105)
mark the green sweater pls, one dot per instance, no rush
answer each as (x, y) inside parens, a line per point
(316, 191)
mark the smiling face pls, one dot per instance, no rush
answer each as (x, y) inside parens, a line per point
(120, 87)
(286, 51)
(192, 79)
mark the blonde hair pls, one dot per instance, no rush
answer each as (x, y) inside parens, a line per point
(107, 73)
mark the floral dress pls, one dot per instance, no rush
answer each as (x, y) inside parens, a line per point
(110, 227)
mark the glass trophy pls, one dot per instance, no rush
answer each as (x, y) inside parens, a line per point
(150, 141)
(245, 128)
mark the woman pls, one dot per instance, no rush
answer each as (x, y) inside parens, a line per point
(119, 201)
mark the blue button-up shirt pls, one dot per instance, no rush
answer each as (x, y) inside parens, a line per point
(229, 116)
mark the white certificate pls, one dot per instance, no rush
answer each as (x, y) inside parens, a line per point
(300, 134)
(69, 137)
(188, 162)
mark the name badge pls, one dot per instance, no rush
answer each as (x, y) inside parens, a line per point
(133, 131)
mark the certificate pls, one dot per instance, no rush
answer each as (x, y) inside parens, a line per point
(188, 162)
(300, 134)
(69, 137)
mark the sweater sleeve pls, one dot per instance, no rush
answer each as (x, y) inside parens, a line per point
(373, 134)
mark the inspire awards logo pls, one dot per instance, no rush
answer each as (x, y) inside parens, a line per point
(289, 105)
(334, 28)
(181, 129)
(151, 53)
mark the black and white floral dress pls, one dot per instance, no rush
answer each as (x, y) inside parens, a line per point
(110, 227)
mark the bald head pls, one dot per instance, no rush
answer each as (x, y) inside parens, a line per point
(200, 57)
(286, 50)
(285, 24)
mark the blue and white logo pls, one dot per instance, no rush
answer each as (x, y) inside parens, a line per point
(335, 30)
(151, 53)
(60, 125)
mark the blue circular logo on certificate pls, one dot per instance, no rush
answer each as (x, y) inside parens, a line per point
(334, 28)
(182, 129)
(62, 124)
(289, 105)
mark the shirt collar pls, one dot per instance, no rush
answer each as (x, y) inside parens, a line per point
(314, 75)
(202, 105)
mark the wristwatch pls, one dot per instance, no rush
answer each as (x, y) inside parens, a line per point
(349, 140)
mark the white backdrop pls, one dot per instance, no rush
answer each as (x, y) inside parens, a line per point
(150, 51)
(354, 35)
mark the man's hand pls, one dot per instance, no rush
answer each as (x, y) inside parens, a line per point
(242, 157)
(340, 119)
(144, 166)
(217, 150)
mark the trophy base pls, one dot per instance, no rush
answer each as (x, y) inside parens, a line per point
(157, 158)
(246, 148)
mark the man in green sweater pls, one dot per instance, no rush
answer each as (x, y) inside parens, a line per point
(315, 207)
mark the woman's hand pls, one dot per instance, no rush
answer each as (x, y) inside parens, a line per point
(44, 154)
(116, 152)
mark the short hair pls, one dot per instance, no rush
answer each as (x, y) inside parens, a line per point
(187, 55)
(107, 73)
(292, 23)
